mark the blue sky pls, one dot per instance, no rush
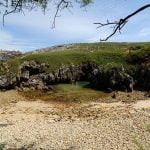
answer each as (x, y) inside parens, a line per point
(33, 30)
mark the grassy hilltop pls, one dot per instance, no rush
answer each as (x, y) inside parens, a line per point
(105, 54)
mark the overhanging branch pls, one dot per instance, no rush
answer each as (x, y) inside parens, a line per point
(60, 6)
(118, 25)
(17, 7)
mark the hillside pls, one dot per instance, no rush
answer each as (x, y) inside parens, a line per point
(102, 53)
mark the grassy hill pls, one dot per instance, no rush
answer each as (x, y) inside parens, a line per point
(106, 54)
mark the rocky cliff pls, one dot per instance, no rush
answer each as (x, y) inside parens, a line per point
(32, 75)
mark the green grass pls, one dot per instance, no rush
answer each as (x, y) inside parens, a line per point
(101, 53)
(56, 59)
(148, 128)
(70, 87)
(138, 142)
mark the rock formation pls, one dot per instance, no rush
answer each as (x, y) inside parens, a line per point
(112, 79)
(143, 77)
(31, 74)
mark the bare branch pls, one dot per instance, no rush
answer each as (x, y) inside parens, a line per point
(118, 25)
(60, 6)
(18, 6)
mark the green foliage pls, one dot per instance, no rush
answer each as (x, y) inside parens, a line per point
(138, 143)
(86, 2)
(141, 145)
(104, 54)
(43, 4)
(138, 56)
(4, 68)
(2, 146)
(28, 4)
(148, 128)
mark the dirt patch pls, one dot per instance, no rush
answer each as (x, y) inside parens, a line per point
(123, 103)
(11, 96)
(84, 96)
(66, 97)
(142, 104)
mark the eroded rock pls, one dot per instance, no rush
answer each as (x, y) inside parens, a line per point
(8, 81)
(112, 79)
(31, 74)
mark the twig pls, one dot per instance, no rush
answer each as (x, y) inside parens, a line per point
(12, 11)
(118, 25)
(60, 6)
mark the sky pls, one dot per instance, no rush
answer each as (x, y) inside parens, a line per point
(32, 30)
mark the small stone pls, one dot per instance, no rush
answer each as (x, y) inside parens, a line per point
(114, 96)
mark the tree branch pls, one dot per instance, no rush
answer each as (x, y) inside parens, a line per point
(118, 25)
(17, 5)
(60, 6)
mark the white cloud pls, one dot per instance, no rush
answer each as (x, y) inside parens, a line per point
(67, 24)
(144, 32)
(7, 41)
(5, 36)
(75, 27)
(68, 27)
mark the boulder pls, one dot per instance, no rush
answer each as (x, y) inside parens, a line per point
(112, 79)
(33, 67)
(8, 81)
(69, 74)
(24, 76)
(86, 69)
(143, 77)
(96, 78)
(3, 82)
(50, 79)
(31, 75)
